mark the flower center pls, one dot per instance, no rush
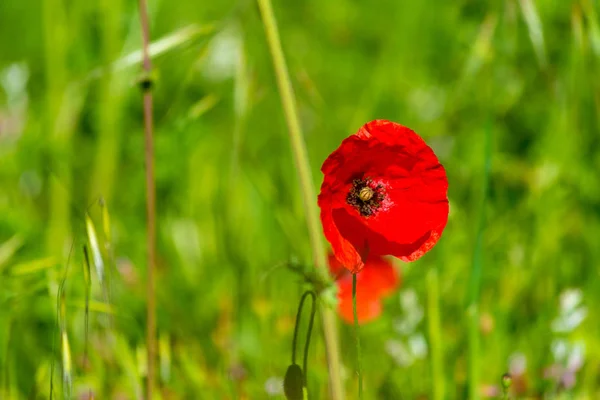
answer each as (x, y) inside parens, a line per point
(365, 196)
(365, 193)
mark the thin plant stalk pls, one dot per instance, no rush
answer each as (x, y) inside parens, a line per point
(435, 334)
(56, 43)
(475, 279)
(307, 189)
(146, 84)
(109, 103)
(357, 333)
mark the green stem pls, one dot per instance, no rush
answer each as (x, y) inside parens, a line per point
(57, 135)
(435, 337)
(356, 332)
(475, 279)
(473, 350)
(307, 189)
(293, 122)
(109, 104)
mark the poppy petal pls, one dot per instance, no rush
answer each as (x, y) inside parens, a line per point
(343, 250)
(380, 276)
(366, 311)
(377, 279)
(368, 304)
(410, 208)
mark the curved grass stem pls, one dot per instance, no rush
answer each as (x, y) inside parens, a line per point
(307, 188)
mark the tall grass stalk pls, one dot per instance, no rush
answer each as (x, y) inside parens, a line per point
(306, 186)
(435, 334)
(476, 270)
(61, 327)
(57, 135)
(146, 85)
(110, 103)
(87, 278)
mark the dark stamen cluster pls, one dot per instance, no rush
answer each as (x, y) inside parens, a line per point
(371, 203)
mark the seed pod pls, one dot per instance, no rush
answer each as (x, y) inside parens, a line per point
(292, 383)
(365, 193)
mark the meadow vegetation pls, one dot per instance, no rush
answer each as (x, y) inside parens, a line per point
(506, 92)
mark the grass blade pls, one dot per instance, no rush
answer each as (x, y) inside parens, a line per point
(534, 26)
(9, 248)
(67, 366)
(88, 289)
(475, 278)
(34, 266)
(163, 45)
(164, 350)
(96, 254)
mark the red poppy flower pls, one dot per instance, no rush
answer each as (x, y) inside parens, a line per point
(377, 279)
(384, 193)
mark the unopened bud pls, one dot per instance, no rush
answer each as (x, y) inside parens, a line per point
(293, 383)
(506, 381)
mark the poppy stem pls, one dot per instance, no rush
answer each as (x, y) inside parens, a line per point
(307, 188)
(358, 352)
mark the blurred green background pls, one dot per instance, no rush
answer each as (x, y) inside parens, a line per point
(518, 77)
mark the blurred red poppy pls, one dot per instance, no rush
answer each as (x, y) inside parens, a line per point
(376, 280)
(384, 193)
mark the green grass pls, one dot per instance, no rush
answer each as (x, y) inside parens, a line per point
(524, 74)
